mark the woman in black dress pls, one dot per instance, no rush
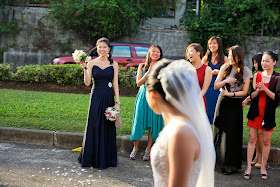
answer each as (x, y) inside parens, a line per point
(234, 79)
(99, 145)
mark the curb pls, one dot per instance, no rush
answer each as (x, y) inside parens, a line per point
(73, 140)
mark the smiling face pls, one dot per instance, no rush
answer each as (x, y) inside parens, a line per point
(103, 49)
(155, 54)
(232, 60)
(192, 54)
(213, 46)
(267, 62)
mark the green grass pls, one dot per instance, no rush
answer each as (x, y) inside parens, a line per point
(68, 112)
(53, 111)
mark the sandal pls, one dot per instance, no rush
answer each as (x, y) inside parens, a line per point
(146, 157)
(133, 154)
(246, 176)
(263, 176)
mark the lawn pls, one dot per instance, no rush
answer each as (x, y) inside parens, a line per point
(68, 112)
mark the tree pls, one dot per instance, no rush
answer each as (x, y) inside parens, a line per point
(110, 18)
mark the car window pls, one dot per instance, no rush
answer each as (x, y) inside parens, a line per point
(141, 51)
(121, 51)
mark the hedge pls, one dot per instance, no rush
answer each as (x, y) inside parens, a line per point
(59, 74)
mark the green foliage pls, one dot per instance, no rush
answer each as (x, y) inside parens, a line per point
(64, 46)
(6, 72)
(95, 19)
(60, 74)
(127, 78)
(9, 27)
(231, 19)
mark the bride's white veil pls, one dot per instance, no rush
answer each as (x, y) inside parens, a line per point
(180, 85)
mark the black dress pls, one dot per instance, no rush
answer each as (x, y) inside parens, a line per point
(99, 144)
(228, 132)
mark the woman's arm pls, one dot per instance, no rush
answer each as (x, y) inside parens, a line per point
(87, 72)
(267, 91)
(141, 80)
(219, 83)
(207, 80)
(116, 85)
(183, 149)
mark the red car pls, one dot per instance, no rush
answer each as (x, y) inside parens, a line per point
(125, 54)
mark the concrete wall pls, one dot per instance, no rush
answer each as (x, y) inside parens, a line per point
(35, 44)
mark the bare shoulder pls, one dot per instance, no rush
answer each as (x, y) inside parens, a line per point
(184, 133)
(115, 64)
(226, 60)
(204, 60)
(141, 65)
(208, 68)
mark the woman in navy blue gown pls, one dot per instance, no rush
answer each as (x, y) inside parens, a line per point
(214, 58)
(99, 148)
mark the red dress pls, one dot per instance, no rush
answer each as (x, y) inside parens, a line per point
(200, 75)
(258, 120)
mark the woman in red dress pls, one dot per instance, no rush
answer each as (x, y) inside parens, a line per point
(194, 54)
(261, 115)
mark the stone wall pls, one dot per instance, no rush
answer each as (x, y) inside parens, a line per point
(37, 42)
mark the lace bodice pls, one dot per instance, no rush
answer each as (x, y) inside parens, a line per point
(159, 156)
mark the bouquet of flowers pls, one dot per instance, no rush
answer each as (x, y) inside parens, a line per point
(80, 56)
(111, 113)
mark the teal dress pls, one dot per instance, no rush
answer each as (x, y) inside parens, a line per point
(144, 118)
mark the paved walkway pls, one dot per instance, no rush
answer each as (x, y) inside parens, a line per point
(24, 165)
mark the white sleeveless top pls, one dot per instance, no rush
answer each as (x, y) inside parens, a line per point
(159, 156)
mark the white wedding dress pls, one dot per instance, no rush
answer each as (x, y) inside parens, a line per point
(159, 156)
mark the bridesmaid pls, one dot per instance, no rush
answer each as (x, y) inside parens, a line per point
(99, 148)
(214, 58)
(257, 67)
(234, 78)
(261, 115)
(144, 118)
(194, 54)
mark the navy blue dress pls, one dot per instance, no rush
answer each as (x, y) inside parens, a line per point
(212, 95)
(99, 144)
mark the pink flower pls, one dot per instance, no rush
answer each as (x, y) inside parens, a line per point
(46, 5)
(76, 14)
(87, 6)
(235, 14)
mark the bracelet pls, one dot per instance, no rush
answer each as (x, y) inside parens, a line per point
(118, 102)
(233, 94)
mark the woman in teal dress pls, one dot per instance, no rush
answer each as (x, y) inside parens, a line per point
(144, 118)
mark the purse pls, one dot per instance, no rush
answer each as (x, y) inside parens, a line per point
(118, 122)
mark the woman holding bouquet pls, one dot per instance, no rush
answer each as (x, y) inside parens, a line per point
(144, 118)
(99, 148)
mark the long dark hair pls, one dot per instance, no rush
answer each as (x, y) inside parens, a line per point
(221, 57)
(106, 41)
(148, 57)
(258, 58)
(237, 53)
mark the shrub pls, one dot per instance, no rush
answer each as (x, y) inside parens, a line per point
(59, 74)
(6, 72)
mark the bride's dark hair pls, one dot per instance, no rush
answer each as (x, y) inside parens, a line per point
(106, 41)
(152, 81)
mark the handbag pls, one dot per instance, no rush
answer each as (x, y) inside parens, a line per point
(118, 122)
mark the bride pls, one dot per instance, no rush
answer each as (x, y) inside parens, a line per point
(183, 154)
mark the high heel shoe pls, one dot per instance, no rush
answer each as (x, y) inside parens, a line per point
(253, 163)
(257, 165)
(133, 154)
(146, 157)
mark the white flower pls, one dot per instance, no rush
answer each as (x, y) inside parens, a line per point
(88, 58)
(110, 84)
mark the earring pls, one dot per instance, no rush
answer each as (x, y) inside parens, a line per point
(108, 55)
